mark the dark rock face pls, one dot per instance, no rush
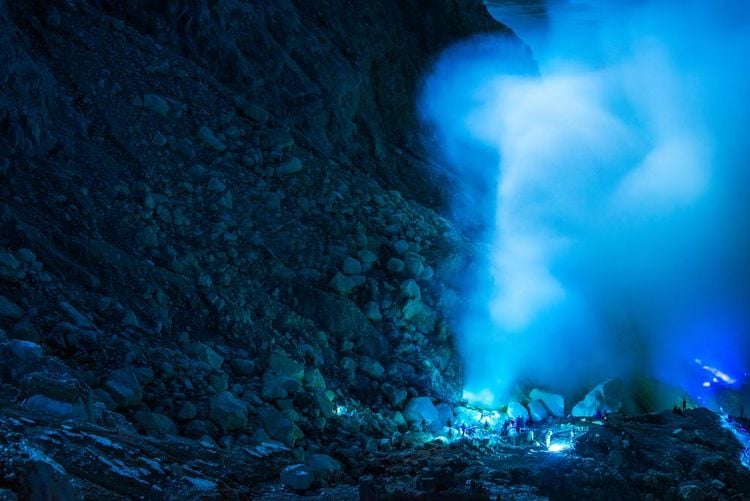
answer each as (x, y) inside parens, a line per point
(198, 205)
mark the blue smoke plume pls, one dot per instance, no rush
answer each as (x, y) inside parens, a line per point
(610, 183)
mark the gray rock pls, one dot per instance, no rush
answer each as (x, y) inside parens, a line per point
(122, 385)
(255, 112)
(411, 290)
(398, 397)
(78, 318)
(158, 139)
(206, 354)
(297, 476)
(367, 257)
(156, 103)
(537, 411)
(554, 403)
(278, 140)
(26, 330)
(607, 396)
(324, 404)
(242, 366)
(414, 265)
(395, 265)
(25, 350)
(277, 387)
(282, 364)
(400, 247)
(46, 479)
(324, 466)
(371, 367)
(290, 166)
(692, 492)
(9, 309)
(422, 316)
(421, 408)
(216, 185)
(372, 312)
(188, 411)
(25, 255)
(50, 406)
(516, 410)
(342, 284)
(9, 261)
(147, 238)
(206, 135)
(200, 428)
(279, 427)
(314, 380)
(351, 266)
(228, 411)
(155, 423)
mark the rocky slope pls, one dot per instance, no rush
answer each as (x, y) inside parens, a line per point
(219, 223)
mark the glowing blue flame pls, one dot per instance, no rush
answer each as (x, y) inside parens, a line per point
(558, 447)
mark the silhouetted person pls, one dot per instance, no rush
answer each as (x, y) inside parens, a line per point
(684, 405)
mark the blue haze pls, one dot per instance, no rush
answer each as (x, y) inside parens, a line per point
(610, 184)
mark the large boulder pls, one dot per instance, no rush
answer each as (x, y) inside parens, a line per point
(419, 409)
(279, 427)
(206, 354)
(537, 411)
(554, 403)
(123, 387)
(228, 411)
(516, 410)
(276, 387)
(324, 466)
(153, 422)
(297, 476)
(282, 364)
(606, 397)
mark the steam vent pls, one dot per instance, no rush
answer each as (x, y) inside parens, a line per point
(374, 250)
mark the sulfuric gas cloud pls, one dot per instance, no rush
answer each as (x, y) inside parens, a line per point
(610, 182)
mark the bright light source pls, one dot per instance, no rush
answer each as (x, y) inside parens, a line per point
(341, 410)
(706, 384)
(557, 447)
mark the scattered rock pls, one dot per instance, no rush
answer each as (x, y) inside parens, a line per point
(554, 403)
(122, 385)
(516, 410)
(419, 409)
(290, 166)
(156, 103)
(297, 476)
(9, 309)
(228, 411)
(606, 397)
(206, 135)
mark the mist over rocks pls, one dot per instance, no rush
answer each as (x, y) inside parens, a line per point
(606, 182)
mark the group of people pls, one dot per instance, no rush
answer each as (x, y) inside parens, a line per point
(681, 410)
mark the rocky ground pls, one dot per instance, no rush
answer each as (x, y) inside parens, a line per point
(223, 266)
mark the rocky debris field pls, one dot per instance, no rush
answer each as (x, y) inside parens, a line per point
(224, 272)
